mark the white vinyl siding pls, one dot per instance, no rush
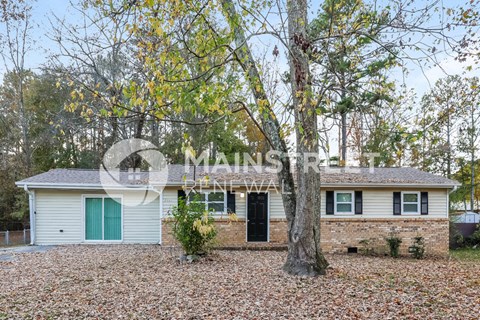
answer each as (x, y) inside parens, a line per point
(141, 223)
(378, 203)
(63, 210)
(55, 211)
(240, 204)
(276, 205)
(170, 200)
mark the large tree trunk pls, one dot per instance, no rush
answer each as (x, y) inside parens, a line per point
(304, 253)
(302, 207)
(270, 124)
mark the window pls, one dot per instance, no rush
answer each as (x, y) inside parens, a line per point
(103, 218)
(214, 201)
(344, 202)
(410, 202)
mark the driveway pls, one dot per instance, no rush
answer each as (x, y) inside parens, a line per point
(8, 253)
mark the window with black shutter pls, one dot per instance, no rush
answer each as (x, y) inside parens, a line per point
(230, 202)
(330, 202)
(397, 203)
(358, 202)
(424, 203)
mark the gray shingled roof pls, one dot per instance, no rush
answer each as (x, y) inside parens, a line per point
(177, 175)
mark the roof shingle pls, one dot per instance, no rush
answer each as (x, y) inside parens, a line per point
(177, 174)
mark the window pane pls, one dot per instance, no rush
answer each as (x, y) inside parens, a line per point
(410, 197)
(344, 207)
(344, 197)
(410, 207)
(217, 196)
(93, 219)
(112, 219)
(194, 196)
(218, 207)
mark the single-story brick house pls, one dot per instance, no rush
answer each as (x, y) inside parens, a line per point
(71, 206)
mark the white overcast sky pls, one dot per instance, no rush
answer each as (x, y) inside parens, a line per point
(43, 10)
(417, 79)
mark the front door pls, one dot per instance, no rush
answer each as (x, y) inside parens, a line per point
(257, 217)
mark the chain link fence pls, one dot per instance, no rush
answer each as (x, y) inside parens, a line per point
(13, 238)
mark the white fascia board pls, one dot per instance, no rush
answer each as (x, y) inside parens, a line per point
(45, 185)
(79, 186)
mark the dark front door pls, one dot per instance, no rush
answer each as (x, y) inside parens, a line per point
(257, 217)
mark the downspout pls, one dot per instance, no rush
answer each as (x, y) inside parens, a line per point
(31, 205)
(453, 189)
(448, 199)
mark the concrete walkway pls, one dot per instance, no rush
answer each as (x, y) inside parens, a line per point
(7, 253)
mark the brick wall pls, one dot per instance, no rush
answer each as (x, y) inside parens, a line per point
(230, 233)
(339, 234)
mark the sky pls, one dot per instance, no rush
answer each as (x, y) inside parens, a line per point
(44, 10)
(418, 80)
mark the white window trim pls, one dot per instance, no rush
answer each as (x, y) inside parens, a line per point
(206, 193)
(418, 203)
(352, 202)
(101, 196)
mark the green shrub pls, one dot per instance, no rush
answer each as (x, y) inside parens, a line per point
(193, 226)
(418, 248)
(367, 247)
(475, 237)
(394, 245)
(456, 239)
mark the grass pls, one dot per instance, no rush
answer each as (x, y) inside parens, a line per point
(466, 254)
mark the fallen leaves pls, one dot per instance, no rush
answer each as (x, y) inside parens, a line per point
(144, 282)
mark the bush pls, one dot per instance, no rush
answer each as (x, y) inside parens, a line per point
(394, 245)
(367, 248)
(194, 226)
(475, 237)
(418, 248)
(459, 241)
(455, 237)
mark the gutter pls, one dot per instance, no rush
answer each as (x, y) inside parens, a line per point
(31, 205)
(44, 185)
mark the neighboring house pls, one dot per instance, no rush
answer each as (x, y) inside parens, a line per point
(70, 206)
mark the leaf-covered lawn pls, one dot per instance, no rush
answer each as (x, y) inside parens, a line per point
(147, 282)
(466, 254)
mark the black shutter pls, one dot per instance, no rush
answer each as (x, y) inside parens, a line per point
(358, 202)
(181, 195)
(329, 203)
(397, 203)
(424, 202)
(230, 202)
